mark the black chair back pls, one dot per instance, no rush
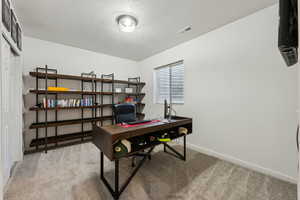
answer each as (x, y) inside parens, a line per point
(124, 113)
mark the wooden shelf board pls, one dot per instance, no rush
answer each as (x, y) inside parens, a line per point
(72, 77)
(58, 76)
(70, 108)
(80, 107)
(60, 138)
(73, 121)
(129, 94)
(68, 122)
(83, 92)
(69, 92)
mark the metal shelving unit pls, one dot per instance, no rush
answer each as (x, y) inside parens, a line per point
(49, 75)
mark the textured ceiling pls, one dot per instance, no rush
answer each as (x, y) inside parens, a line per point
(90, 24)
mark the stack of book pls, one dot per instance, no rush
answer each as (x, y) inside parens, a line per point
(52, 103)
(131, 100)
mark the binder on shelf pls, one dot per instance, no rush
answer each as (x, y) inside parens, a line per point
(58, 89)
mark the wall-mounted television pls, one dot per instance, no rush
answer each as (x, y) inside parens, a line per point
(288, 31)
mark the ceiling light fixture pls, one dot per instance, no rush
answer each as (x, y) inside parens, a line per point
(127, 23)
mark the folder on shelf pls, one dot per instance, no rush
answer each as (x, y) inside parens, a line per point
(58, 89)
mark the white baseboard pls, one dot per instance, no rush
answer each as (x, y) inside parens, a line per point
(12, 172)
(242, 163)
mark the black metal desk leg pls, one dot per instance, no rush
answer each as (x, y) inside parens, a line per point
(117, 194)
(101, 165)
(116, 191)
(175, 152)
(133, 161)
(184, 146)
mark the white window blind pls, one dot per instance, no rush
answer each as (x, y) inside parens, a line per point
(167, 76)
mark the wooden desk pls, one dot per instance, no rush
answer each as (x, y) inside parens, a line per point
(107, 136)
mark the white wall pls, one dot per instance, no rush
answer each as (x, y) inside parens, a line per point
(70, 60)
(239, 92)
(67, 60)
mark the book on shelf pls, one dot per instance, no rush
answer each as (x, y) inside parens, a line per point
(58, 89)
(53, 103)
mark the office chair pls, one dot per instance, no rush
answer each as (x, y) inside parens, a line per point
(124, 113)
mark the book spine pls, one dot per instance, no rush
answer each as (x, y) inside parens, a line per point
(44, 102)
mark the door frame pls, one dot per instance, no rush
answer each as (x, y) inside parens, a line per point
(1, 142)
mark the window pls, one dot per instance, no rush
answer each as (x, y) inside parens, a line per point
(169, 78)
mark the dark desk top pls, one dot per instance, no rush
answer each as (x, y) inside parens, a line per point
(119, 132)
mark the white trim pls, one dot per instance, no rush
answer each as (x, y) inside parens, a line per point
(12, 174)
(1, 162)
(242, 163)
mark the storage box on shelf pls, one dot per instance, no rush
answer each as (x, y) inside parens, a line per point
(96, 95)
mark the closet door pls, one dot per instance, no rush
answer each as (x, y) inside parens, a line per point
(15, 108)
(6, 158)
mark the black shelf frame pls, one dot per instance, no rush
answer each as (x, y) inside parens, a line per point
(135, 82)
(92, 81)
(46, 70)
(111, 78)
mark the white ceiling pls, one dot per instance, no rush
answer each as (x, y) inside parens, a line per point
(90, 24)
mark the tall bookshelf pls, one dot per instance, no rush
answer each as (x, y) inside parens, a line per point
(50, 77)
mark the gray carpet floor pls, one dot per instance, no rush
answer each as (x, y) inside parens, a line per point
(72, 173)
